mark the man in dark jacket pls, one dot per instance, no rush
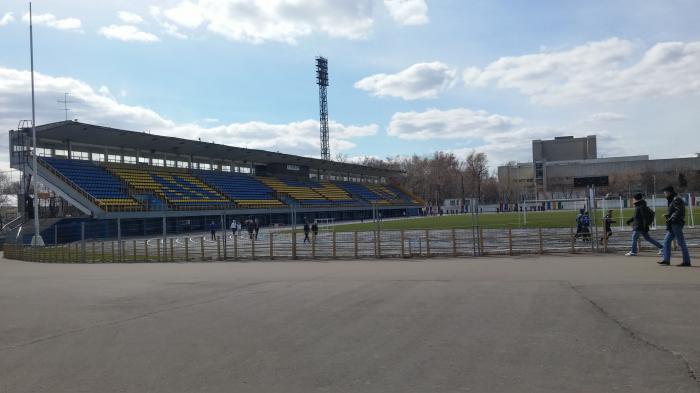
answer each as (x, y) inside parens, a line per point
(675, 220)
(640, 225)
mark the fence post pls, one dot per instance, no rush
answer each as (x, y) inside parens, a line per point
(201, 246)
(403, 246)
(510, 240)
(235, 248)
(541, 240)
(77, 253)
(172, 251)
(82, 241)
(114, 256)
(294, 244)
(187, 248)
(70, 257)
(158, 256)
(94, 256)
(102, 250)
(119, 237)
(134, 245)
(272, 247)
(354, 240)
(481, 241)
(123, 248)
(454, 243)
(334, 246)
(605, 242)
(427, 243)
(573, 241)
(379, 244)
(145, 250)
(313, 247)
(252, 248)
(374, 242)
(218, 247)
(55, 234)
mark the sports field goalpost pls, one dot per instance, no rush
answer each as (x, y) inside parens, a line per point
(325, 224)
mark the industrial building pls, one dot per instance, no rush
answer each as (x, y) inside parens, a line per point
(565, 166)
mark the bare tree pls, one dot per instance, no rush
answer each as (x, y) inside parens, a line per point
(477, 170)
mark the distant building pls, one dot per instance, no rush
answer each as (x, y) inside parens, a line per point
(565, 166)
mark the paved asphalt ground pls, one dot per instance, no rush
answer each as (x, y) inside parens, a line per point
(531, 324)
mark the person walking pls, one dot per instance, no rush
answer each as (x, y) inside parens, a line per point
(250, 226)
(675, 220)
(234, 226)
(607, 224)
(641, 221)
(256, 228)
(314, 229)
(212, 229)
(307, 229)
(239, 228)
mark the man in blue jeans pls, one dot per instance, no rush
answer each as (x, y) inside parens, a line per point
(642, 219)
(675, 220)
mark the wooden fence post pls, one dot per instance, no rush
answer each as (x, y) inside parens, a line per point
(541, 240)
(252, 248)
(379, 244)
(158, 258)
(510, 240)
(187, 248)
(481, 241)
(102, 250)
(573, 241)
(335, 256)
(454, 243)
(114, 255)
(201, 247)
(235, 248)
(403, 246)
(313, 247)
(145, 251)
(172, 251)
(354, 240)
(272, 246)
(134, 250)
(218, 247)
(427, 243)
(294, 244)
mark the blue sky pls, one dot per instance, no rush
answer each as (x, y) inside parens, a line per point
(407, 76)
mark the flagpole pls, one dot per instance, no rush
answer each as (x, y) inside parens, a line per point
(36, 240)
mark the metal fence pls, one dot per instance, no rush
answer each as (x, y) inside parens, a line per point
(280, 244)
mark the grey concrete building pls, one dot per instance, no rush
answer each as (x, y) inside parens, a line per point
(564, 166)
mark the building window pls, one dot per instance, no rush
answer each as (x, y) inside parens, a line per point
(226, 168)
(169, 163)
(204, 166)
(130, 159)
(41, 152)
(112, 158)
(244, 170)
(143, 160)
(80, 155)
(157, 162)
(183, 164)
(98, 157)
(63, 153)
(293, 167)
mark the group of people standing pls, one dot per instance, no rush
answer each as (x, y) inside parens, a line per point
(674, 220)
(252, 225)
(313, 228)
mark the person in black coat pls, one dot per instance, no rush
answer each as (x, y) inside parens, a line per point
(675, 220)
(640, 225)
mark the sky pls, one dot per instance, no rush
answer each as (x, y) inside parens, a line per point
(406, 76)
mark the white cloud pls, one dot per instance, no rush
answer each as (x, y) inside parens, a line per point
(461, 123)
(127, 33)
(99, 106)
(408, 12)
(604, 117)
(50, 20)
(258, 21)
(168, 28)
(609, 70)
(6, 19)
(422, 80)
(129, 17)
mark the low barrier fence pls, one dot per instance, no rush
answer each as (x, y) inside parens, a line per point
(290, 245)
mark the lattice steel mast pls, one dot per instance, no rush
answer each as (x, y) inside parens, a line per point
(322, 81)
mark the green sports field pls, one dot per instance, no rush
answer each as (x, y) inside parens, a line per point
(546, 219)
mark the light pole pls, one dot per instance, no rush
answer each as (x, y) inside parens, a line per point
(36, 240)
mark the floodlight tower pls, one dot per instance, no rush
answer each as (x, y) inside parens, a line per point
(322, 81)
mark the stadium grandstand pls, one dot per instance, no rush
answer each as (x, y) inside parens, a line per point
(101, 174)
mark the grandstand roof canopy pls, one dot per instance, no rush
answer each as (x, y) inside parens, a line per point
(100, 136)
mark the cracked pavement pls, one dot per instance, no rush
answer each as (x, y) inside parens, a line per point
(529, 324)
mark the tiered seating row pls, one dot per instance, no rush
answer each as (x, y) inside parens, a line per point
(245, 190)
(110, 183)
(94, 180)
